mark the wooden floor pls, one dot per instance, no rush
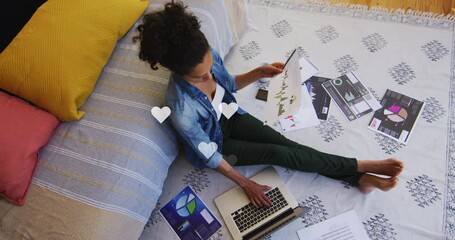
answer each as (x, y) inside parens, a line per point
(435, 6)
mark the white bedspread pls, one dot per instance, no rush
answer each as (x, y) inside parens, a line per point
(407, 53)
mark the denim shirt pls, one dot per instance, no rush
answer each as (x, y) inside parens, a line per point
(193, 116)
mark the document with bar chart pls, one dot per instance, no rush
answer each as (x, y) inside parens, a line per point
(189, 217)
(351, 96)
(397, 117)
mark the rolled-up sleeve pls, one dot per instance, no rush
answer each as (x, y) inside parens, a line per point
(215, 160)
(233, 81)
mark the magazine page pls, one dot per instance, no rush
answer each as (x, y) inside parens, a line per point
(307, 69)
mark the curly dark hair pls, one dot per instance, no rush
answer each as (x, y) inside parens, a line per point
(172, 37)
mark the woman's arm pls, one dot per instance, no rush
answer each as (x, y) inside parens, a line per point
(254, 191)
(266, 71)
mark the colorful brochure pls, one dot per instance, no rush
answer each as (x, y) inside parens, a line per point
(397, 117)
(189, 217)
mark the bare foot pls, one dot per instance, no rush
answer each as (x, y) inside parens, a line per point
(368, 183)
(389, 167)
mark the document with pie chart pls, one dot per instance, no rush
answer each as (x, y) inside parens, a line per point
(189, 217)
(397, 117)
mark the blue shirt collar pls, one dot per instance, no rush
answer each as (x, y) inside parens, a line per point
(193, 91)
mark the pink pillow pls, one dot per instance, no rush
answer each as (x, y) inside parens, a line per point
(24, 130)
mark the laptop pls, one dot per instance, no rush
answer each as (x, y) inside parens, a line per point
(244, 221)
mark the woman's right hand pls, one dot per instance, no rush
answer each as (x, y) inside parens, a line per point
(255, 193)
(270, 70)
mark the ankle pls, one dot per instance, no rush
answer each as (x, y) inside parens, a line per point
(361, 166)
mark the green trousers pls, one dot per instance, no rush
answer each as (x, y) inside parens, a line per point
(255, 144)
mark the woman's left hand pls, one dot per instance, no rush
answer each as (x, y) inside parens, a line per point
(265, 71)
(270, 70)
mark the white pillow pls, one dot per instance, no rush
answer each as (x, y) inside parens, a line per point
(222, 21)
(238, 18)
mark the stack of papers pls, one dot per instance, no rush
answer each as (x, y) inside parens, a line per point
(298, 108)
(306, 116)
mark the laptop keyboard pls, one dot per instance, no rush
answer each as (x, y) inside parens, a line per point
(248, 215)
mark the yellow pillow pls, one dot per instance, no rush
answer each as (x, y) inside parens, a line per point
(56, 59)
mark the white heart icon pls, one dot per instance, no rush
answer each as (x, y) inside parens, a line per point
(161, 114)
(207, 149)
(228, 110)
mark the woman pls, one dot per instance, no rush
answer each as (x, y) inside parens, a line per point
(200, 82)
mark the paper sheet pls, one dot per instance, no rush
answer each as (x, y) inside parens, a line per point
(351, 96)
(307, 69)
(284, 97)
(346, 226)
(398, 116)
(321, 99)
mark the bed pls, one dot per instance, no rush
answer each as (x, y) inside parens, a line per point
(98, 176)
(408, 52)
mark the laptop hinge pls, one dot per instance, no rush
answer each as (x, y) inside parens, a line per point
(274, 223)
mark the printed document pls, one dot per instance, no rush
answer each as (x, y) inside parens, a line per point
(346, 226)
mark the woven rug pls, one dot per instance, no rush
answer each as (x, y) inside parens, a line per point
(411, 53)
